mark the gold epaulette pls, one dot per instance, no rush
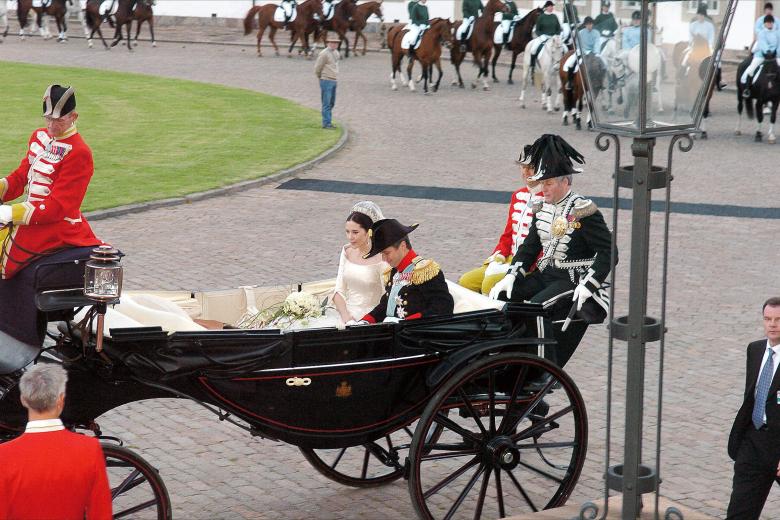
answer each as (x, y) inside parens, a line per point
(583, 208)
(424, 270)
(386, 275)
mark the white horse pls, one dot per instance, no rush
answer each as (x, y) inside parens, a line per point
(609, 53)
(4, 18)
(548, 61)
(627, 72)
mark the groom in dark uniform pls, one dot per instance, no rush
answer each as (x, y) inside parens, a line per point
(573, 245)
(414, 287)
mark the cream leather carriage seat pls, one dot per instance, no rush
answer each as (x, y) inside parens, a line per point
(174, 311)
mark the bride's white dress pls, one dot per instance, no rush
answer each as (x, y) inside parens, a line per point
(360, 285)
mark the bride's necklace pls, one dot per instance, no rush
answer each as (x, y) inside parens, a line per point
(364, 249)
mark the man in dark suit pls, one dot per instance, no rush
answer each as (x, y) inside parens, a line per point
(754, 442)
(50, 472)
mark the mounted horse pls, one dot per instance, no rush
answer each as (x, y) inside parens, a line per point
(548, 61)
(479, 44)
(360, 20)
(428, 53)
(55, 8)
(94, 18)
(572, 99)
(299, 26)
(522, 33)
(764, 90)
(143, 12)
(126, 12)
(609, 53)
(691, 63)
(627, 74)
(339, 21)
(4, 18)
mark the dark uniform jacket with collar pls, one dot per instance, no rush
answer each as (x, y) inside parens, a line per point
(423, 292)
(573, 240)
(743, 420)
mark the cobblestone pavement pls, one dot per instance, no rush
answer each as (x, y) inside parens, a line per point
(720, 270)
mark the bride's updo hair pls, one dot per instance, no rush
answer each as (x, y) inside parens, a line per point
(364, 214)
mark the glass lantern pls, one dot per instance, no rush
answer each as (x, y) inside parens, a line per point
(103, 275)
(654, 75)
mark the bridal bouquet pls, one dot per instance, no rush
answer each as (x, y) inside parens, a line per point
(297, 307)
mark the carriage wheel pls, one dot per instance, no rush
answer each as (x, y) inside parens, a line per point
(368, 465)
(516, 445)
(137, 490)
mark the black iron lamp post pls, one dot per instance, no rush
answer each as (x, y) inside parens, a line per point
(635, 90)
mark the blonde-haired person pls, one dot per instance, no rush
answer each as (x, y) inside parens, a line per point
(483, 278)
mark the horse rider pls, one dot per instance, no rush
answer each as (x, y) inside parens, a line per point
(288, 8)
(508, 21)
(605, 22)
(768, 44)
(588, 42)
(759, 26)
(571, 246)
(547, 26)
(570, 19)
(46, 223)
(632, 35)
(410, 6)
(703, 27)
(472, 9)
(420, 21)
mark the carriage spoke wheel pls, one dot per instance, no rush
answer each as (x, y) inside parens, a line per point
(368, 465)
(514, 442)
(137, 491)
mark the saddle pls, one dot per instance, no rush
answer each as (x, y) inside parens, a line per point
(108, 8)
(406, 41)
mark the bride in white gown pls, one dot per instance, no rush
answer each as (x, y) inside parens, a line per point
(359, 285)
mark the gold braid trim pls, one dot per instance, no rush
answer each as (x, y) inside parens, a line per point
(583, 208)
(386, 275)
(3, 188)
(424, 271)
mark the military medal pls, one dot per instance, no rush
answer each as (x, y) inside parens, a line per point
(559, 227)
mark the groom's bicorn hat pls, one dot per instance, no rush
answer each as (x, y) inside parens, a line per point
(58, 101)
(385, 233)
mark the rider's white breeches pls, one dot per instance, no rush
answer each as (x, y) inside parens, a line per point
(757, 61)
(536, 42)
(571, 61)
(465, 28)
(287, 7)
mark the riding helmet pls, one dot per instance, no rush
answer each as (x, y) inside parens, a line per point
(636, 15)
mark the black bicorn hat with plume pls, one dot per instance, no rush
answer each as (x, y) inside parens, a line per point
(553, 157)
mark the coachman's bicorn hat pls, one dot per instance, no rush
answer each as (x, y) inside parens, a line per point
(526, 156)
(385, 233)
(58, 101)
(553, 157)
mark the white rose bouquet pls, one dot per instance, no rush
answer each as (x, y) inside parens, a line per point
(297, 307)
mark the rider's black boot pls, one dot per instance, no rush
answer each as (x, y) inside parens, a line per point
(719, 80)
(569, 79)
(746, 91)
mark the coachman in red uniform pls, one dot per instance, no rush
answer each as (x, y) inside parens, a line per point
(46, 223)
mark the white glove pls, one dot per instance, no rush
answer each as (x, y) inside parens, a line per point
(351, 323)
(496, 268)
(606, 32)
(391, 319)
(504, 285)
(6, 215)
(581, 294)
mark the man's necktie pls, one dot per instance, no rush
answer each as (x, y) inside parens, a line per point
(762, 390)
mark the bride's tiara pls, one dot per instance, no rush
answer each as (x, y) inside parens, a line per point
(369, 209)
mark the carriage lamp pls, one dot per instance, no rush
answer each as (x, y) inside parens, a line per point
(102, 283)
(658, 83)
(652, 79)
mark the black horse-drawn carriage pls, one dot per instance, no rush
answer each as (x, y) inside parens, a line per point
(466, 407)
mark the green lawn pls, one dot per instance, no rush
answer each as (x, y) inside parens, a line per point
(155, 138)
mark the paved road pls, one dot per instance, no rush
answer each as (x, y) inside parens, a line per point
(720, 269)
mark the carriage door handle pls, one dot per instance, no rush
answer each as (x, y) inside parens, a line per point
(298, 381)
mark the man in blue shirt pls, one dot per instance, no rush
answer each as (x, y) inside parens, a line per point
(768, 43)
(588, 42)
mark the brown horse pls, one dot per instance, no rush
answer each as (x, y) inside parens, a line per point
(523, 33)
(143, 12)
(55, 8)
(480, 44)
(360, 19)
(94, 19)
(125, 14)
(572, 99)
(300, 27)
(428, 53)
(342, 13)
(22, 12)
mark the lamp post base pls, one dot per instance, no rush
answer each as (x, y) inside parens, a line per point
(666, 509)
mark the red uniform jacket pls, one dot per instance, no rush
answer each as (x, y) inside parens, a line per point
(53, 474)
(517, 223)
(53, 176)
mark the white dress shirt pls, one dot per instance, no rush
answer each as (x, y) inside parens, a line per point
(44, 425)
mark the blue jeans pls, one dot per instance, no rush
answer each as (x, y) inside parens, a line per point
(328, 90)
